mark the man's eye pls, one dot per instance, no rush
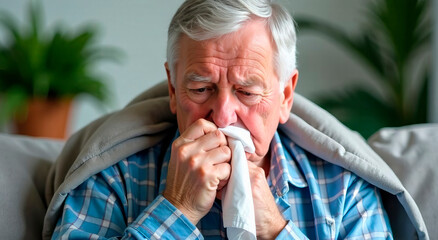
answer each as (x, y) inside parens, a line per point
(248, 98)
(199, 90)
(248, 94)
(202, 90)
(200, 95)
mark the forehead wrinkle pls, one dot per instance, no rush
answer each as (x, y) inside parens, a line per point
(247, 80)
(245, 72)
(223, 57)
(247, 63)
(259, 51)
(226, 63)
(239, 54)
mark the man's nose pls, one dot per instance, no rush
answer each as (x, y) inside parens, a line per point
(224, 109)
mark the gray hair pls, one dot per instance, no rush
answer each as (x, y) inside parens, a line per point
(208, 19)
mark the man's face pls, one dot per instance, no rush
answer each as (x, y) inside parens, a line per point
(232, 81)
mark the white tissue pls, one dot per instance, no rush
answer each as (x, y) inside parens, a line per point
(237, 203)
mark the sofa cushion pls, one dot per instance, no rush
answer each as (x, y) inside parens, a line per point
(412, 152)
(24, 162)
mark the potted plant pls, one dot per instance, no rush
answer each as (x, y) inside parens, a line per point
(41, 71)
(396, 36)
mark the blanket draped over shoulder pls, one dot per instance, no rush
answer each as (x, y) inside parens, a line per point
(147, 120)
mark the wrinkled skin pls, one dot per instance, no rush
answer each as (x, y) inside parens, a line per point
(230, 80)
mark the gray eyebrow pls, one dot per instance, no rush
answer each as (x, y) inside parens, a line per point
(248, 82)
(194, 77)
(197, 78)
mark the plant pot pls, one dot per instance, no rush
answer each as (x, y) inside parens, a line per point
(45, 118)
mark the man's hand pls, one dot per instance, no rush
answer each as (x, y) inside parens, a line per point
(198, 168)
(269, 221)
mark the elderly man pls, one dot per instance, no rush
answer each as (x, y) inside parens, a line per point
(229, 63)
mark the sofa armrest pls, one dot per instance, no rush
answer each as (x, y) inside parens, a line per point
(412, 153)
(25, 162)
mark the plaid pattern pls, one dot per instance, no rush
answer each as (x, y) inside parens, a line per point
(320, 201)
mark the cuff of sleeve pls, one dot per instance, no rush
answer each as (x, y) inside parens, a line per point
(290, 231)
(162, 220)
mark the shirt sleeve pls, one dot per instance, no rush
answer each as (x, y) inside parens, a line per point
(98, 209)
(161, 220)
(290, 231)
(364, 216)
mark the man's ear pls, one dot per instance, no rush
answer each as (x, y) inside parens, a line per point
(288, 97)
(172, 102)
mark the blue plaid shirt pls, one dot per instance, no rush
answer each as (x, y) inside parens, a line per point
(320, 201)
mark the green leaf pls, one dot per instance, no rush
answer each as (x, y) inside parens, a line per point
(106, 53)
(12, 103)
(422, 106)
(359, 110)
(402, 23)
(35, 15)
(9, 23)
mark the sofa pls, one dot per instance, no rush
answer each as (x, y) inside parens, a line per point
(410, 151)
(25, 163)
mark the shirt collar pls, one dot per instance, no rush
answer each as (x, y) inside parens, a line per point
(284, 167)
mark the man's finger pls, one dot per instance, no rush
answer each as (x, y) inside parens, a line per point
(198, 129)
(222, 172)
(210, 141)
(219, 155)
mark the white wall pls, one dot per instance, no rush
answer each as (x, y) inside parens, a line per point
(139, 28)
